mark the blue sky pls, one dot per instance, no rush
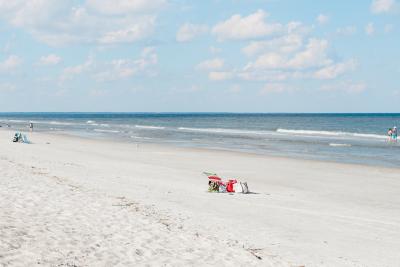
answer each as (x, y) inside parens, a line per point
(196, 56)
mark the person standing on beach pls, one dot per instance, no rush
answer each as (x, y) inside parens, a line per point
(31, 127)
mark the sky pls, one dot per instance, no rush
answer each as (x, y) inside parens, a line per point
(199, 56)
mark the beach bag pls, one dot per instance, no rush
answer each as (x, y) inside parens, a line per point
(229, 186)
(222, 188)
(238, 188)
(245, 188)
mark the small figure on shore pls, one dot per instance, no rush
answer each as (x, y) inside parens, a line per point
(394, 134)
(31, 127)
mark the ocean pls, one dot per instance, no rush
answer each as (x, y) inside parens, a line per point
(348, 138)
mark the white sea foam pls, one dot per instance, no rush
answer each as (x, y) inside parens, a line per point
(106, 131)
(97, 124)
(310, 132)
(139, 137)
(149, 127)
(370, 136)
(331, 134)
(42, 122)
(340, 145)
(17, 121)
(62, 123)
(225, 131)
(56, 123)
(92, 123)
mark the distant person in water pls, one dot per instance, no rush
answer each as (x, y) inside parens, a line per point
(394, 133)
(390, 132)
(31, 127)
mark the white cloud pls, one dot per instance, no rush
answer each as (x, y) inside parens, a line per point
(264, 75)
(98, 92)
(124, 68)
(296, 27)
(10, 63)
(313, 55)
(289, 55)
(251, 26)
(70, 72)
(285, 44)
(50, 59)
(211, 64)
(118, 7)
(188, 32)
(370, 29)
(270, 60)
(290, 58)
(322, 19)
(301, 61)
(62, 22)
(220, 75)
(215, 50)
(276, 88)
(382, 6)
(22, 13)
(347, 30)
(129, 34)
(116, 69)
(333, 71)
(349, 87)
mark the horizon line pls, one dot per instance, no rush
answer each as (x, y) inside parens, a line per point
(181, 112)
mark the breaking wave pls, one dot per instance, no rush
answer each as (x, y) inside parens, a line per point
(225, 131)
(331, 134)
(149, 127)
(106, 131)
(340, 145)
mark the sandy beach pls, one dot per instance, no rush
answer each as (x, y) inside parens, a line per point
(71, 201)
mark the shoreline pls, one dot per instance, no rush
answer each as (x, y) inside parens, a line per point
(199, 148)
(353, 139)
(302, 212)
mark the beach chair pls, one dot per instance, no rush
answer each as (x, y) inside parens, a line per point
(17, 137)
(214, 182)
(25, 139)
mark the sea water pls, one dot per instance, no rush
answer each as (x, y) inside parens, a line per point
(349, 138)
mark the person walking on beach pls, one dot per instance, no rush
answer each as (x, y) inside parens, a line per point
(31, 127)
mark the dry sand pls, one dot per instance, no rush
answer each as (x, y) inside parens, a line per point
(69, 201)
